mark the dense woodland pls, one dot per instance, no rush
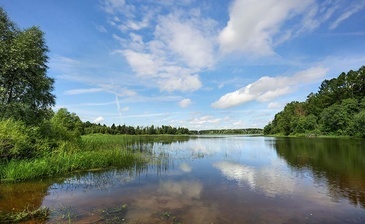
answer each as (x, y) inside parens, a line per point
(246, 131)
(337, 109)
(92, 128)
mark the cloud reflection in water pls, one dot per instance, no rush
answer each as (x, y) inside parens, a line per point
(271, 180)
(189, 189)
(186, 168)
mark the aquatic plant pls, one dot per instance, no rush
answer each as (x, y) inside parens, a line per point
(95, 152)
(40, 214)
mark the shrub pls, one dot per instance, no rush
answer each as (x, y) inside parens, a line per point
(14, 140)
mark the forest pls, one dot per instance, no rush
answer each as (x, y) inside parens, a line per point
(337, 109)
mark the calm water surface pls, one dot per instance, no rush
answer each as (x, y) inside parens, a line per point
(222, 179)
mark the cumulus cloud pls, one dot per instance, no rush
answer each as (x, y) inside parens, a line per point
(208, 119)
(187, 39)
(268, 88)
(181, 46)
(99, 120)
(187, 83)
(256, 28)
(185, 102)
(253, 25)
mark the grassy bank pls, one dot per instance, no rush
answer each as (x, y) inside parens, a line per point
(94, 152)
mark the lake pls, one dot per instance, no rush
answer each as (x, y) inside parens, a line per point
(212, 179)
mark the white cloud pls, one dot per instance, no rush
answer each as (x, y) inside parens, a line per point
(208, 119)
(268, 88)
(181, 44)
(274, 105)
(348, 12)
(185, 102)
(114, 6)
(82, 91)
(238, 123)
(187, 84)
(99, 120)
(256, 28)
(253, 25)
(187, 39)
(142, 63)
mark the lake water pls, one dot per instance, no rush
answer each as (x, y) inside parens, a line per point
(220, 179)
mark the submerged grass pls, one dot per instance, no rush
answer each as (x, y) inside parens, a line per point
(40, 215)
(95, 152)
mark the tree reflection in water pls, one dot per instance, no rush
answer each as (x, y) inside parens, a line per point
(340, 162)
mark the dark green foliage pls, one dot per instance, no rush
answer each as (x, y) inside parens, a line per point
(246, 131)
(336, 109)
(359, 124)
(18, 140)
(339, 161)
(14, 140)
(67, 126)
(25, 89)
(90, 128)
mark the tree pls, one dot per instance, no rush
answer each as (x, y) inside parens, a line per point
(359, 124)
(66, 126)
(25, 88)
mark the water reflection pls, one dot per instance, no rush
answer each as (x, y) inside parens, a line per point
(185, 167)
(270, 180)
(338, 163)
(233, 179)
(18, 197)
(189, 189)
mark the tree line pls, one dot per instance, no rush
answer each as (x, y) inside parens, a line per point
(338, 108)
(245, 131)
(92, 128)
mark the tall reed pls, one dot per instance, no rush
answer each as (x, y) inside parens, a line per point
(95, 152)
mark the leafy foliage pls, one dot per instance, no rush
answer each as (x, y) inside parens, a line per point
(25, 88)
(336, 109)
(90, 128)
(230, 131)
(17, 140)
(14, 139)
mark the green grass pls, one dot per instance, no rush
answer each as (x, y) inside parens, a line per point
(95, 152)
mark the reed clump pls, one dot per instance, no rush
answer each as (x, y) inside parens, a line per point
(93, 152)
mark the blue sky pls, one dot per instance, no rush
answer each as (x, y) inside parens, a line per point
(192, 63)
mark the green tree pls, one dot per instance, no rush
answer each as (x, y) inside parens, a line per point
(25, 88)
(359, 124)
(333, 119)
(66, 125)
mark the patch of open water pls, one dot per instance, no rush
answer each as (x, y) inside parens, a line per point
(226, 179)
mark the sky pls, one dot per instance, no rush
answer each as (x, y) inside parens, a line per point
(199, 64)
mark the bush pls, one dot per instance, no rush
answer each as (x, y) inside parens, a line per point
(14, 140)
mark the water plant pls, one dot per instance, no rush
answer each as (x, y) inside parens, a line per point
(41, 214)
(96, 151)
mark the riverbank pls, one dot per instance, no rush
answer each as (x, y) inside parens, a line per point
(94, 152)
